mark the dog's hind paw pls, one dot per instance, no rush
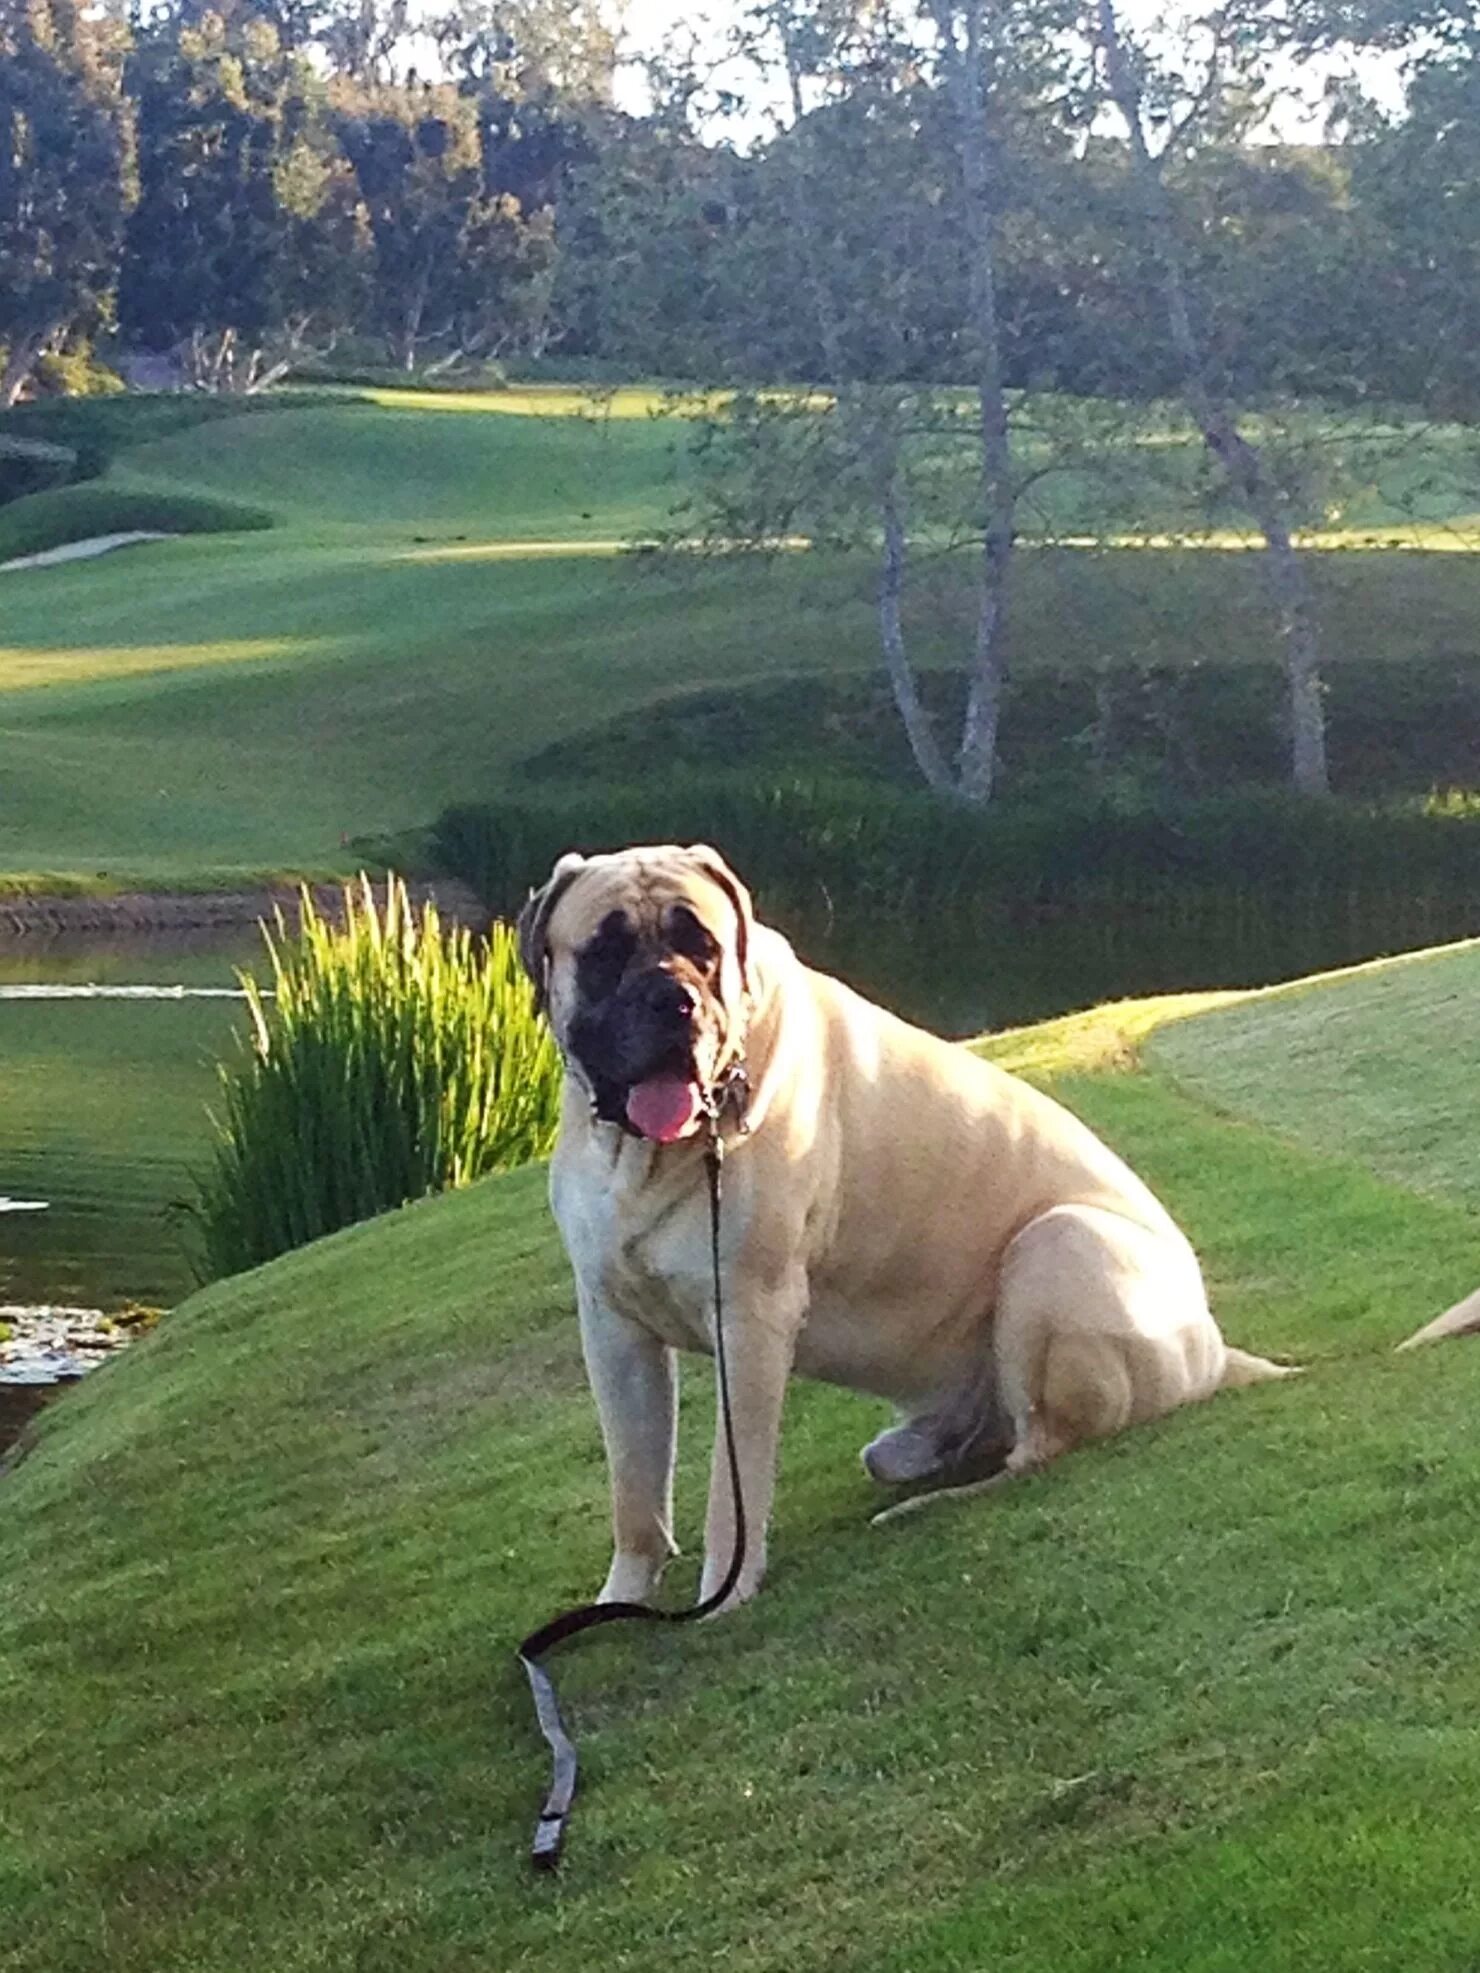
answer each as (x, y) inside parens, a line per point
(902, 1454)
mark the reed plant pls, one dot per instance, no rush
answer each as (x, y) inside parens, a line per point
(387, 1057)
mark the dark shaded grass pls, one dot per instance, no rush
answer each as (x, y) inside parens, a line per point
(256, 1705)
(1121, 724)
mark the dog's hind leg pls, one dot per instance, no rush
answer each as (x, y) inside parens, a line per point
(965, 1433)
(1099, 1323)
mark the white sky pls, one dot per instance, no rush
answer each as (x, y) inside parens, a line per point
(649, 22)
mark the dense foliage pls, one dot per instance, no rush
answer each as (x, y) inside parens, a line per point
(65, 178)
(387, 1060)
(300, 181)
(848, 845)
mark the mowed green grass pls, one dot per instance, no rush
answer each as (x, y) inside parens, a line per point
(441, 597)
(1198, 1699)
(1377, 1063)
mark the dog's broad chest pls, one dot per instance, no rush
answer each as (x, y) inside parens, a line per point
(645, 1258)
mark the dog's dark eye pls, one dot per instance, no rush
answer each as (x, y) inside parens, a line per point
(691, 939)
(602, 962)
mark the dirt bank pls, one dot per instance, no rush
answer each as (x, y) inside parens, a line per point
(166, 911)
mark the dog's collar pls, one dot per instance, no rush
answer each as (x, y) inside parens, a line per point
(728, 1097)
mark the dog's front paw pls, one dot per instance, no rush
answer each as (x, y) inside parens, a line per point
(631, 1579)
(751, 1578)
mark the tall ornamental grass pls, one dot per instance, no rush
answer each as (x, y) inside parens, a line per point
(389, 1058)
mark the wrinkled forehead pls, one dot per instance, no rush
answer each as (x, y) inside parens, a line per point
(642, 893)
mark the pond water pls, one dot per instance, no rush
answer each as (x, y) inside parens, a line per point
(963, 978)
(105, 1107)
(104, 1112)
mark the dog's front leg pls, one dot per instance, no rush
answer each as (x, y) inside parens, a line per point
(636, 1384)
(759, 1353)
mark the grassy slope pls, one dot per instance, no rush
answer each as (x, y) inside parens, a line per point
(1199, 1699)
(1375, 1062)
(246, 703)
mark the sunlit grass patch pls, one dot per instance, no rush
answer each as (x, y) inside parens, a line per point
(1101, 1038)
(507, 551)
(530, 401)
(23, 669)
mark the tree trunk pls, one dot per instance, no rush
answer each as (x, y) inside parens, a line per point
(977, 758)
(268, 368)
(1241, 460)
(410, 326)
(801, 197)
(917, 724)
(1290, 587)
(20, 361)
(222, 368)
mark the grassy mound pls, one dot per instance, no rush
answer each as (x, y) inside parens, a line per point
(77, 513)
(101, 428)
(439, 470)
(1199, 1698)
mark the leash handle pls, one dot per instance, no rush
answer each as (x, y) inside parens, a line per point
(549, 1833)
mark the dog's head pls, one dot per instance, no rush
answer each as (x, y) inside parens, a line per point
(642, 961)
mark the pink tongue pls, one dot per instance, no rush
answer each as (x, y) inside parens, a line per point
(663, 1107)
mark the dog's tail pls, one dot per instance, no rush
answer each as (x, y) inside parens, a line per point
(1241, 1368)
(1461, 1320)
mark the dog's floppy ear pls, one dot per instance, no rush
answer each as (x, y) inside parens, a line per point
(534, 923)
(714, 866)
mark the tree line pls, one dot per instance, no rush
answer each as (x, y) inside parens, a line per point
(240, 186)
(244, 181)
(950, 217)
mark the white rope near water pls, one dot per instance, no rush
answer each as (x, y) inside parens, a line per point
(92, 992)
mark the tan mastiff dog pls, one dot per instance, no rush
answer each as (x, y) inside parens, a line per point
(899, 1216)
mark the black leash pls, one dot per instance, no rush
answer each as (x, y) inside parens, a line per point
(549, 1833)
